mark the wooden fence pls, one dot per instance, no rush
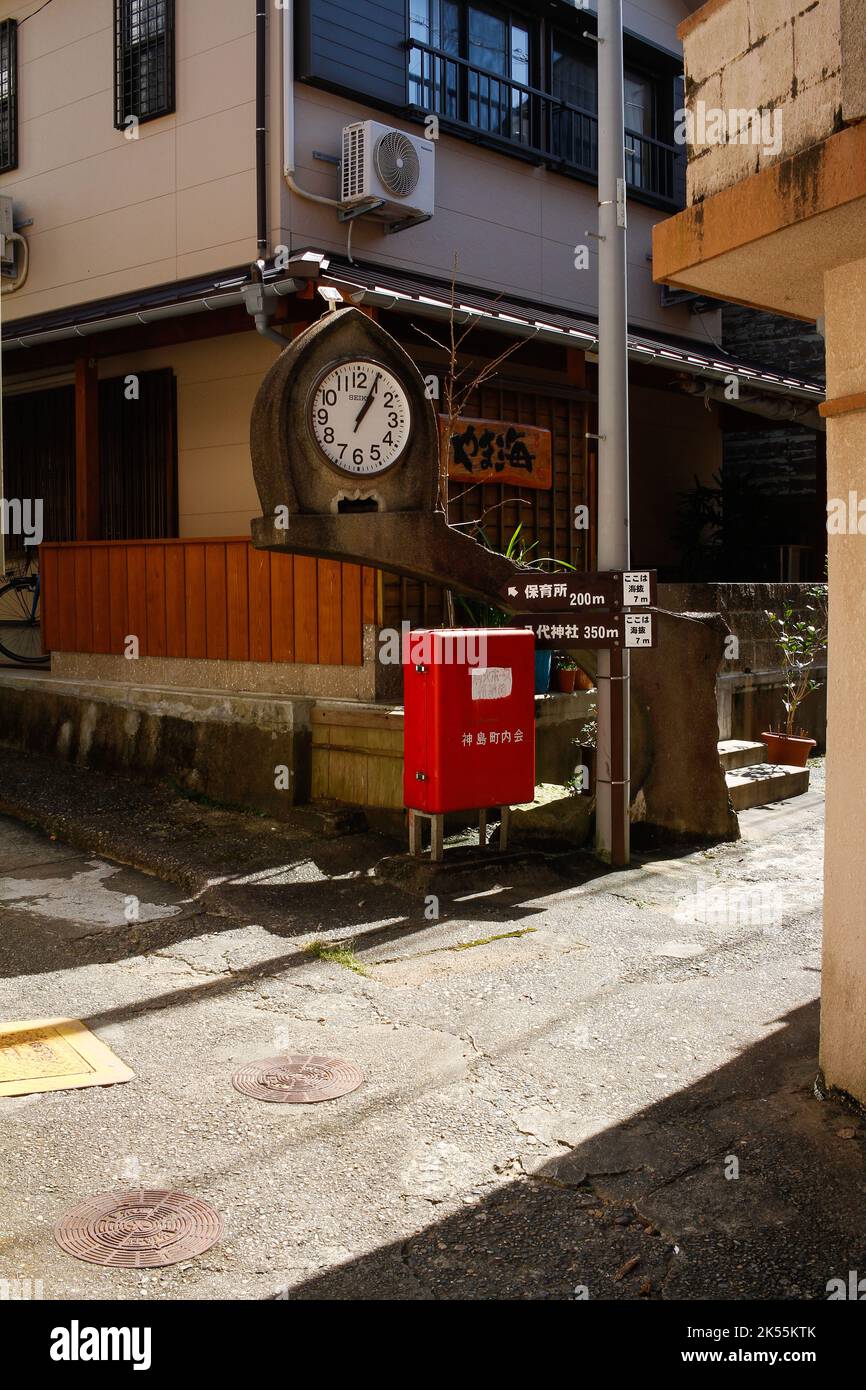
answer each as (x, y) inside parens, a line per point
(218, 599)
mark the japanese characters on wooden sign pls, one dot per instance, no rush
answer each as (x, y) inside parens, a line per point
(495, 451)
(612, 589)
(599, 631)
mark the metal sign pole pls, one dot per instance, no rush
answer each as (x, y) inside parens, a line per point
(613, 761)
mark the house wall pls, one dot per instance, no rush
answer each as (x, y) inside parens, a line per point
(111, 215)
(217, 380)
(507, 225)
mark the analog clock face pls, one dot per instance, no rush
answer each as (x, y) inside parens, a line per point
(360, 417)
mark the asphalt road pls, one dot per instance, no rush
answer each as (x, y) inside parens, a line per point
(576, 1083)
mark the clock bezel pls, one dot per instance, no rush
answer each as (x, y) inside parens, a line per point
(311, 398)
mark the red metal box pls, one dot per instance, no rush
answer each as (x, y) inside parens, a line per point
(469, 726)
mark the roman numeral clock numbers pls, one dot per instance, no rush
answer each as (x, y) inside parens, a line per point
(360, 417)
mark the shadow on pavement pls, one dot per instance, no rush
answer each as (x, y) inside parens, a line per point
(644, 1210)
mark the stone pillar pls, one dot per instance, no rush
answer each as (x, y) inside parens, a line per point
(843, 1010)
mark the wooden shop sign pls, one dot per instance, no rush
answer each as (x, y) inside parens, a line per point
(497, 451)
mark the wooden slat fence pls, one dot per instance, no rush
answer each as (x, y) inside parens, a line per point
(218, 599)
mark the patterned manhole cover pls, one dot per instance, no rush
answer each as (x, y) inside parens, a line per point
(298, 1080)
(138, 1229)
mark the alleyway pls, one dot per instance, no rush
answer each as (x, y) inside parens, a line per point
(559, 1070)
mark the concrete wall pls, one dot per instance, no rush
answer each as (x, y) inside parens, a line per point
(843, 1018)
(111, 215)
(749, 683)
(803, 61)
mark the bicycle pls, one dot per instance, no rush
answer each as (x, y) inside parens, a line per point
(20, 625)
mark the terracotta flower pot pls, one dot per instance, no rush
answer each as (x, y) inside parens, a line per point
(565, 680)
(584, 681)
(792, 751)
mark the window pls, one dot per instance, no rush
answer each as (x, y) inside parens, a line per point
(433, 79)
(574, 82)
(144, 59)
(8, 95)
(503, 75)
(640, 119)
(474, 65)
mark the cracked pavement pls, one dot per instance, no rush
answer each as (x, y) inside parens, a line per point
(577, 1083)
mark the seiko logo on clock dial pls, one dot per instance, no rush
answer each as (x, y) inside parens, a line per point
(360, 417)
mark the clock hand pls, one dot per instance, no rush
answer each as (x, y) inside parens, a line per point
(368, 402)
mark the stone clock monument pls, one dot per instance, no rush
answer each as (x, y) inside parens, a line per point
(345, 449)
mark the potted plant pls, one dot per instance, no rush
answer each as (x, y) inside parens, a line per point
(486, 615)
(566, 673)
(801, 636)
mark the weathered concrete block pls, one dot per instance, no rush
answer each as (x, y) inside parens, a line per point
(809, 119)
(853, 60)
(762, 77)
(716, 41)
(817, 44)
(767, 15)
(718, 168)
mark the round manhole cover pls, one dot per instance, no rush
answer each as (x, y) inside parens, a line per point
(138, 1230)
(298, 1080)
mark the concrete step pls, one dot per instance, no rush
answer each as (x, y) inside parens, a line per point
(740, 752)
(760, 783)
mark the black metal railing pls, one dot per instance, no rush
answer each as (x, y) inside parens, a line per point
(537, 123)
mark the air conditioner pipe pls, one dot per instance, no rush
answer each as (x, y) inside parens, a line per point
(289, 112)
(25, 263)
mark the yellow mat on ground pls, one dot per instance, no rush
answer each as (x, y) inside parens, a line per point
(55, 1054)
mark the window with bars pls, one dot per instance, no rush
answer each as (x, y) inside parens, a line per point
(8, 95)
(143, 59)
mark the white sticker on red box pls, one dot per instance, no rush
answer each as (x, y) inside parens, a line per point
(490, 682)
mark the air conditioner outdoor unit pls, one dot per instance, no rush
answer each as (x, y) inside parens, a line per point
(387, 173)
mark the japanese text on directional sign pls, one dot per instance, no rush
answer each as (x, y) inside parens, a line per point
(603, 631)
(611, 590)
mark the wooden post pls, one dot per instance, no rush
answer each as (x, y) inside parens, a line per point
(87, 509)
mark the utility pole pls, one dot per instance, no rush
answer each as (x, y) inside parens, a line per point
(613, 773)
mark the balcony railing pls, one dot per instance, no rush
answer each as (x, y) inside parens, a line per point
(541, 126)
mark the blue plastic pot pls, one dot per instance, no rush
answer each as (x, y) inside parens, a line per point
(543, 665)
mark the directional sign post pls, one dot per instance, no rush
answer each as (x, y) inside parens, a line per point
(604, 630)
(580, 593)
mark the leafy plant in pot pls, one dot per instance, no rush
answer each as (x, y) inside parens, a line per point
(801, 637)
(565, 672)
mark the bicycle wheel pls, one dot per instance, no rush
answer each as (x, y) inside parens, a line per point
(20, 627)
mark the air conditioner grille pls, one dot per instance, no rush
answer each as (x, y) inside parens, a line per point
(397, 163)
(353, 161)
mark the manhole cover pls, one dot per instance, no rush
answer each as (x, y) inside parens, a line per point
(298, 1080)
(138, 1230)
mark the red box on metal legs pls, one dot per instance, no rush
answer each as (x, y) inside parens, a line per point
(469, 725)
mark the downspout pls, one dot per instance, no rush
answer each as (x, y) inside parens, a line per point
(254, 293)
(289, 111)
(261, 130)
